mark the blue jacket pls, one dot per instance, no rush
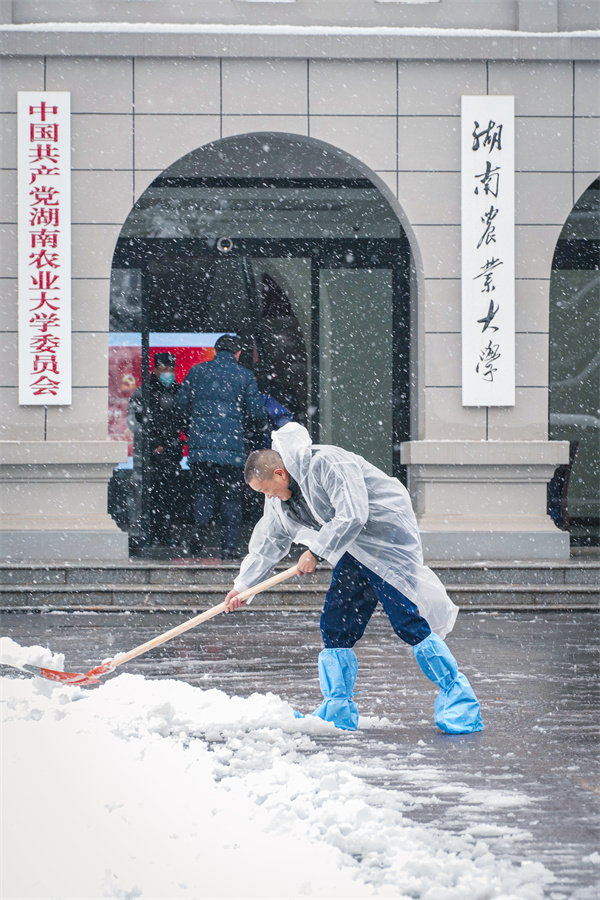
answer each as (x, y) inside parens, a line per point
(218, 398)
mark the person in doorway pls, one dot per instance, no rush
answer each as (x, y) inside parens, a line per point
(157, 426)
(219, 399)
(345, 510)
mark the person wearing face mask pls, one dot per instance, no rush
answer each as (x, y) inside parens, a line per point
(157, 430)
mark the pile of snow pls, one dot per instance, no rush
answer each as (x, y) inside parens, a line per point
(12, 654)
(156, 789)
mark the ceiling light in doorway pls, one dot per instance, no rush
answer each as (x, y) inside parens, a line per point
(225, 245)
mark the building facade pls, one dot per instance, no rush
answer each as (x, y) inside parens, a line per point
(291, 171)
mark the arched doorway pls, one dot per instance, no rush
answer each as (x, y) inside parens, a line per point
(283, 241)
(574, 493)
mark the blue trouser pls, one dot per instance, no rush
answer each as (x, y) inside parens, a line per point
(349, 604)
(351, 601)
(217, 486)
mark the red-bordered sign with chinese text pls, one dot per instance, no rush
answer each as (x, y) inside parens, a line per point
(488, 251)
(44, 198)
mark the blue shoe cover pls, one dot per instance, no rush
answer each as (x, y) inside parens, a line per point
(337, 674)
(456, 707)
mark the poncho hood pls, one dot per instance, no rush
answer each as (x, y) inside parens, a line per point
(294, 445)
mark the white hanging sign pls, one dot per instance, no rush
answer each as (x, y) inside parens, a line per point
(488, 251)
(44, 247)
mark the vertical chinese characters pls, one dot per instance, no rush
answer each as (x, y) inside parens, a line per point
(488, 250)
(44, 221)
(44, 249)
(486, 183)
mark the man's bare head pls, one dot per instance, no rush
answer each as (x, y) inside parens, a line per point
(265, 472)
(261, 464)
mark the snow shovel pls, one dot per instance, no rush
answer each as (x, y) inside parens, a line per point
(93, 676)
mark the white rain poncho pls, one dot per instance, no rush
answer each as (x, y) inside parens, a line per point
(363, 512)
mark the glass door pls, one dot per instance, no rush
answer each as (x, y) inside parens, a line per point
(324, 327)
(356, 361)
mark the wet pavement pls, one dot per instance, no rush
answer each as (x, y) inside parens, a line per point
(529, 785)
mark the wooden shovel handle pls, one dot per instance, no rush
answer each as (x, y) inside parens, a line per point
(269, 582)
(203, 617)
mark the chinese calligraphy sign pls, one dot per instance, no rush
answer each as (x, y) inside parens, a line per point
(44, 196)
(487, 244)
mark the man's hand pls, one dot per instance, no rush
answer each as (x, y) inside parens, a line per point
(307, 563)
(232, 603)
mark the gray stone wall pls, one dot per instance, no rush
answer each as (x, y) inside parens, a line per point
(132, 117)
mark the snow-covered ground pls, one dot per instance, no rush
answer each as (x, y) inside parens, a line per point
(160, 789)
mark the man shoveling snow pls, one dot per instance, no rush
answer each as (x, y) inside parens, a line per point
(361, 520)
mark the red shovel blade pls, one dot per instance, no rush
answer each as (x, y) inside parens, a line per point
(80, 678)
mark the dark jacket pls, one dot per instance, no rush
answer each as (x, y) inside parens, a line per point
(161, 423)
(219, 398)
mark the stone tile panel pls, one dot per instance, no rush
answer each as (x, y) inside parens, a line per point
(19, 423)
(90, 304)
(389, 179)
(19, 74)
(143, 179)
(531, 354)
(581, 182)
(445, 418)
(439, 247)
(8, 306)
(8, 250)
(8, 351)
(430, 198)
(443, 363)
(587, 145)
(182, 86)
(8, 192)
(86, 419)
(534, 250)
(352, 87)
(526, 421)
(543, 198)
(434, 87)
(161, 140)
(543, 144)
(101, 141)
(8, 144)
(97, 85)
(440, 305)
(587, 88)
(532, 305)
(540, 88)
(429, 143)
(265, 87)
(93, 248)
(101, 197)
(370, 139)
